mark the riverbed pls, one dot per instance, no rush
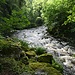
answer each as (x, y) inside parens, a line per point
(61, 51)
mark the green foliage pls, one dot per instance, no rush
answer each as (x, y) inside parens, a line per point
(30, 54)
(25, 60)
(40, 51)
(57, 66)
(19, 20)
(59, 16)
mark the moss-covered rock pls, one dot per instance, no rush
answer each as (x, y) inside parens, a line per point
(44, 68)
(47, 58)
(30, 54)
(9, 66)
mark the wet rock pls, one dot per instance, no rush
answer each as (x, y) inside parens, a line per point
(30, 54)
(47, 58)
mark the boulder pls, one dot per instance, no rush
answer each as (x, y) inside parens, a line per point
(47, 58)
(30, 54)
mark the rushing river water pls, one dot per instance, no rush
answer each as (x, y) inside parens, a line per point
(61, 51)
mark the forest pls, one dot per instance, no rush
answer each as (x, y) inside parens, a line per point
(16, 57)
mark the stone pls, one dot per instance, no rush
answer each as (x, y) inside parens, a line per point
(47, 58)
(30, 54)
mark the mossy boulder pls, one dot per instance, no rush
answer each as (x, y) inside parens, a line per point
(47, 58)
(9, 66)
(9, 48)
(44, 68)
(30, 54)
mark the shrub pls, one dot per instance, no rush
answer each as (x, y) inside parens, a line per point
(40, 50)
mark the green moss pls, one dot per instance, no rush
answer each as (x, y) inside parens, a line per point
(37, 65)
(45, 67)
(11, 64)
(52, 71)
(25, 60)
(30, 54)
(47, 58)
(12, 47)
(22, 54)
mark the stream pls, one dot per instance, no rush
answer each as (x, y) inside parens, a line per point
(61, 51)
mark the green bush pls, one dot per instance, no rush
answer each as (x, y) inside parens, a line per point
(59, 16)
(17, 20)
(40, 50)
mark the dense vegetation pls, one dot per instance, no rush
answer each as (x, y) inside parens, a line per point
(15, 55)
(59, 16)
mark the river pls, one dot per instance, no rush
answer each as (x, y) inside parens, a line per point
(61, 51)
